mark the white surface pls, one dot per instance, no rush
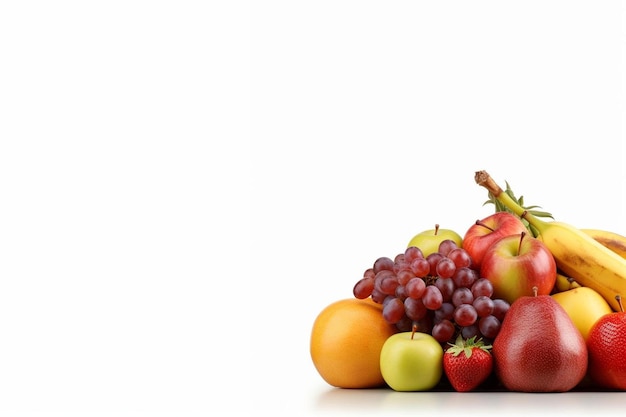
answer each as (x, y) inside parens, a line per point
(185, 185)
(369, 120)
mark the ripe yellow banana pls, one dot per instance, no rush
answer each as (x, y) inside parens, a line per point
(576, 253)
(611, 240)
(564, 283)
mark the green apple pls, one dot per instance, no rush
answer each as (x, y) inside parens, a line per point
(428, 240)
(584, 306)
(411, 361)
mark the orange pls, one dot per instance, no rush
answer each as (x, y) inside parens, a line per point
(346, 341)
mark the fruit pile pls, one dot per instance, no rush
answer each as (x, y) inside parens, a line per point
(517, 303)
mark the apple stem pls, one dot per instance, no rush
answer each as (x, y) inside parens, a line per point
(479, 223)
(535, 289)
(519, 248)
(413, 330)
(619, 301)
(436, 229)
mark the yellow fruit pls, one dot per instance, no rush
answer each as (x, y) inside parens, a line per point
(613, 241)
(584, 306)
(561, 284)
(429, 240)
(564, 283)
(346, 341)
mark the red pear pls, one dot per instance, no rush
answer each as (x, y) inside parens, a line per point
(538, 348)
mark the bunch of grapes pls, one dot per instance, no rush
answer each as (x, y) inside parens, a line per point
(441, 294)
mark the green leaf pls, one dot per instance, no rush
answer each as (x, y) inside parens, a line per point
(531, 208)
(466, 346)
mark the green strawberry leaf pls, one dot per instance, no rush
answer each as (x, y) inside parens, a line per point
(466, 346)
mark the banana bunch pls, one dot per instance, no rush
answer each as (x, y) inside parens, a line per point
(590, 257)
(610, 240)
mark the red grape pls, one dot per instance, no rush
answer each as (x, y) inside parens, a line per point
(482, 286)
(380, 277)
(399, 258)
(446, 246)
(399, 266)
(446, 286)
(443, 331)
(500, 308)
(445, 268)
(412, 253)
(433, 259)
(378, 296)
(465, 277)
(401, 292)
(462, 295)
(383, 263)
(483, 305)
(489, 326)
(465, 315)
(470, 331)
(440, 294)
(404, 324)
(393, 310)
(460, 257)
(404, 276)
(414, 308)
(420, 267)
(432, 298)
(425, 324)
(388, 285)
(363, 288)
(446, 312)
(415, 288)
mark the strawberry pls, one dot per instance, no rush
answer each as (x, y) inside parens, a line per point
(467, 363)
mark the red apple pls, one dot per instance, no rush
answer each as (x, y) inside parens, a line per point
(489, 230)
(517, 263)
(606, 341)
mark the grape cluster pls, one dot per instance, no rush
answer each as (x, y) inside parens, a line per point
(441, 294)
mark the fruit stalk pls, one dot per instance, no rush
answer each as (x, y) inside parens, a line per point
(576, 253)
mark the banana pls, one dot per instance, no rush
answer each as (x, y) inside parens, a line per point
(611, 240)
(576, 253)
(564, 283)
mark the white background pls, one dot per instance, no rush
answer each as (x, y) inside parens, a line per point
(185, 185)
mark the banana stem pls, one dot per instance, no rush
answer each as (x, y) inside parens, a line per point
(483, 179)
